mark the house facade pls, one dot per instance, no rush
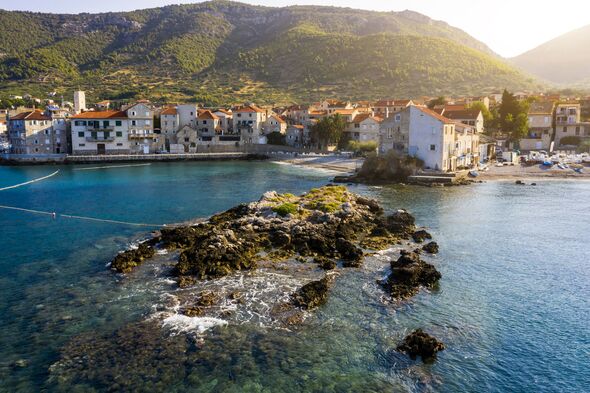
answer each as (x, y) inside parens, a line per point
(540, 126)
(248, 121)
(471, 117)
(105, 132)
(32, 132)
(208, 125)
(142, 138)
(169, 126)
(275, 123)
(364, 128)
(422, 133)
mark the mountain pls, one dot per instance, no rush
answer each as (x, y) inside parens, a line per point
(226, 51)
(565, 59)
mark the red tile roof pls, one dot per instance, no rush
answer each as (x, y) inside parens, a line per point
(434, 114)
(169, 111)
(249, 108)
(364, 116)
(101, 115)
(30, 115)
(207, 115)
(278, 119)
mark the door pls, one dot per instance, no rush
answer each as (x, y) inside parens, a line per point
(101, 149)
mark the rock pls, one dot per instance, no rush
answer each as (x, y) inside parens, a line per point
(125, 262)
(312, 294)
(186, 281)
(533, 184)
(372, 204)
(20, 363)
(325, 263)
(408, 273)
(421, 344)
(400, 223)
(520, 182)
(421, 235)
(351, 254)
(207, 299)
(431, 248)
(193, 311)
(280, 239)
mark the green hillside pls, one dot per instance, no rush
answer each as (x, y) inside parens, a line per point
(231, 52)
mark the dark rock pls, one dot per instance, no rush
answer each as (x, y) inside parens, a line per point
(520, 182)
(312, 294)
(421, 344)
(279, 238)
(125, 262)
(325, 263)
(351, 254)
(408, 273)
(421, 235)
(193, 311)
(372, 204)
(207, 299)
(431, 248)
(533, 184)
(400, 223)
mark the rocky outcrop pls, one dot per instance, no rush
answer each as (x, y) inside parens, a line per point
(408, 274)
(421, 344)
(126, 261)
(421, 235)
(327, 223)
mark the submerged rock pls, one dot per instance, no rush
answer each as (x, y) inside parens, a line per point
(408, 273)
(431, 248)
(312, 294)
(421, 344)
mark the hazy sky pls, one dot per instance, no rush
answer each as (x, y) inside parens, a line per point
(509, 27)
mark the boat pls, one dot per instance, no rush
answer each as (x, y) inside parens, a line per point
(560, 166)
(473, 173)
(547, 163)
(579, 170)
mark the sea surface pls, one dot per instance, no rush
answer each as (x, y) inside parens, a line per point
(513, 306)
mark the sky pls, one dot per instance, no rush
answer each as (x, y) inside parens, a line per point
(509, 27)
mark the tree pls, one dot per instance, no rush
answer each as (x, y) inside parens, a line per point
(276, 138)
(437, 101)
(328, 130)
(513, 116)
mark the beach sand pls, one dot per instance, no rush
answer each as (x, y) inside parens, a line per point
(519, 172)
(333, 163)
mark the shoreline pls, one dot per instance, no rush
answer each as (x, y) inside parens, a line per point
(531, 173)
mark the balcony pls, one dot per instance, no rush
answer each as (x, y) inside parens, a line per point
(100, 129)
(142, 135)
(100, 139)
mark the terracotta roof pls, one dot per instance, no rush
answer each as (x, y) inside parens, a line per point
(364, 116)
(318, 113)
(105, 102)
(249, 108)
(299, 126)
(541, 108)
(345, 111)
(101, 115)
(384, 103)
(278, 119)
(470, 114)
(207, 115)
(169, 111)
(30, 115)
(454, 107)
(224, 111)
(434, 114)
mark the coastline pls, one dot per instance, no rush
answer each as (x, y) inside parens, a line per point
(343, 165)
(532, 173)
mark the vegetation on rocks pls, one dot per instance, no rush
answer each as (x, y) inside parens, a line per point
(390, 167)
(421, 344)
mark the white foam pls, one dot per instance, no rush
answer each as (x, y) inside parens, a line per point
(179, 323)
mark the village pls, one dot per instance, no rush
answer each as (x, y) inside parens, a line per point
(446, 135)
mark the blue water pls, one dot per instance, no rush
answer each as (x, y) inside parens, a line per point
(513, 305)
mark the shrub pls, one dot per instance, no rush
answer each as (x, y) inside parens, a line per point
(285, 208)
(570, 140)
(391, 166)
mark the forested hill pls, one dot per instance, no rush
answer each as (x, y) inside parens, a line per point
(224, 50)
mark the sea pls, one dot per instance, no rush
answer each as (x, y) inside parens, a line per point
(512, 307)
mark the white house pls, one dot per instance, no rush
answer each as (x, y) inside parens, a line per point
(364, 128)
(105, 132)
(248, 122)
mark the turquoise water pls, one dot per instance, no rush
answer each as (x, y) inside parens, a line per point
(513, 306)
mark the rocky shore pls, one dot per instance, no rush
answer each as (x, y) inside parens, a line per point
(327, 228)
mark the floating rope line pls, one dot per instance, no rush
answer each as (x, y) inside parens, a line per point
(110, 166)
(30, 181)
(54, 214)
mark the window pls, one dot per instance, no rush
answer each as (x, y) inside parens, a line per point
(398, 117)
(119, 134)
(118, 123)
(82, 144)
(36, 150)
(432, 147)
(133, 122)
(132, 113)
(81, 134)
(36, 142)
(577, 130)
(148, 122)
(204, 122)
(564, 129)
(106, 123)
(119, 144)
